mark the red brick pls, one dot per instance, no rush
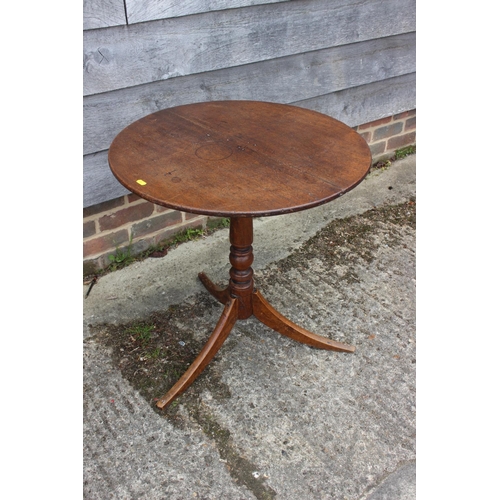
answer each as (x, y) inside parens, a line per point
(160, 209)
(195, 223)
(103, 207)
(188, 216)
(387, 131)
(125, 216)
(166, 235)
(105, 243)
(88, 229)
(90, 266)
(367, 136)
(132, 197)
(378, 148)
(411, 124)
(376, 123)
(401, 141)
(157, 223)
(170, 233)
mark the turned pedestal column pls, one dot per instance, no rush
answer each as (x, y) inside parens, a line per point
(241, 301)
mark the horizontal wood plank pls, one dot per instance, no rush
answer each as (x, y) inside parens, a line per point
(140, 11)
(353, 106)
(103, 13)
(367, 103)
(283, 80)
(126, 56)
(99, 184)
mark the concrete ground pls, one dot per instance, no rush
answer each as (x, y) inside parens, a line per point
(269, 417)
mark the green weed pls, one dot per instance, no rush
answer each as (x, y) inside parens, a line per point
(404, 152)
(397, 155)
(141, 332)
(122, 257)
(188, 235)
(153, 354)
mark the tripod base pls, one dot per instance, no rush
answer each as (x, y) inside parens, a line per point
(265, 313)
(241, 301)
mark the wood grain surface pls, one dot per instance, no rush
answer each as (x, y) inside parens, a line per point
(239, 158)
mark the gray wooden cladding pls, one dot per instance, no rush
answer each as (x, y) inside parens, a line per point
(139, 10)
(103, 13)
(158, 50)
(283, 80)
(99, 184)
(351, 59)
(367, 103)
(106, 13)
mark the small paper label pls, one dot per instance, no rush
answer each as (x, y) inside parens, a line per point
(141, 182)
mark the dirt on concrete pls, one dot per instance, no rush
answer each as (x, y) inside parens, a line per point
(154, 352)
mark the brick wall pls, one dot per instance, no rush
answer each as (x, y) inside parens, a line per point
(386, 135)
(125, 221)
(130, 220)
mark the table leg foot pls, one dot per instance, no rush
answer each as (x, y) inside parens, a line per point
(214, 343)
(221, 294)
(265, 313)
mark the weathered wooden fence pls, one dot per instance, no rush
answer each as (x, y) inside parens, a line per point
(351, 59)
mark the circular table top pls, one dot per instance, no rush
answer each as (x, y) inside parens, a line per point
(239, 158)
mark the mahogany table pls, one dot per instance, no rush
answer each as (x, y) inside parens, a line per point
(239, 159)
